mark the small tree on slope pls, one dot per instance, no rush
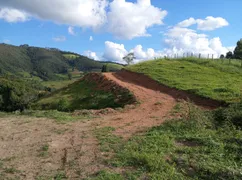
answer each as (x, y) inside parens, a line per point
(129, 58)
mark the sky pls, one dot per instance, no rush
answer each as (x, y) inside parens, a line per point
(110, 29)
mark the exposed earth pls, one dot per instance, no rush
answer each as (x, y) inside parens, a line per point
(40, 148)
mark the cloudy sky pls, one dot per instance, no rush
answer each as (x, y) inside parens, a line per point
(109, 29)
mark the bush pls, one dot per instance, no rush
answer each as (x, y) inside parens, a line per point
(63, 105)
(16, 94)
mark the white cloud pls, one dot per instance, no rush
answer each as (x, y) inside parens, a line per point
(13, 15)
(91, 55)
(59, 39)
(187, 22)
(116, 52)
(183, 40)
(91, 38)
(211, 23)
(71, 31)
(83, 13)
(208, 24)
(127, 20)
(148, 54)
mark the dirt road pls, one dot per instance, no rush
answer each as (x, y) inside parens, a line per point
(153, 108)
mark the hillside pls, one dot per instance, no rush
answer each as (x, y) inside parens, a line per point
(212, 79)
(45, 63)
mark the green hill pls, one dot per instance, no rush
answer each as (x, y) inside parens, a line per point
(45, 63)
(215, 79)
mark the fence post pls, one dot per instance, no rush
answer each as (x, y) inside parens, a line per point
(199, 55)
(212, 56)
(208, 56)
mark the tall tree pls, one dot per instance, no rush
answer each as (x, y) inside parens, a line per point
(229, 55)
(238, 50)
(129, 58)
(221, 56)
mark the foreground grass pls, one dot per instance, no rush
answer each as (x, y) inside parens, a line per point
(200, 145)
(206, 78)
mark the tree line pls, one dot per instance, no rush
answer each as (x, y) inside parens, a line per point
(237, 54)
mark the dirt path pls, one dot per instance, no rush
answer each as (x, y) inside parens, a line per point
(32, 148)
(152, 111)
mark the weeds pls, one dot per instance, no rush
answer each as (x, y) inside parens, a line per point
(44, 150)
(107, 141)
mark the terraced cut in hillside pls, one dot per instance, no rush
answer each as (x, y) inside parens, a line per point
(33, 148)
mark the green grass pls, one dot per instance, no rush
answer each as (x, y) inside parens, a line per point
(114, 67)
(207, 78)
(80, 95)
(70, 56)
(58, 84)
(197, 146)
(107, 140)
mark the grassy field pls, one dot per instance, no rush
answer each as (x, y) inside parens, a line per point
(79, 95)
(114, 67)
(215, 79)
(70, 56)
(199, 145)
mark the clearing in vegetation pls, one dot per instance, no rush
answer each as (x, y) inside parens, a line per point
(207, 78)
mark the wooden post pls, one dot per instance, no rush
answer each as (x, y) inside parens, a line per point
(212, 56)
(208, 56)
(199, 55)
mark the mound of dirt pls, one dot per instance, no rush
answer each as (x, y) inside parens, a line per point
(122, 94)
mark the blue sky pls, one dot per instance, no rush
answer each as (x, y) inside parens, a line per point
(148, 28)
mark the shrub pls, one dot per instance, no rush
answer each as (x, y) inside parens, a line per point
(63, 105)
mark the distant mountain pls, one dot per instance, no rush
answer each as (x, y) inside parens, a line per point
(45, 63)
